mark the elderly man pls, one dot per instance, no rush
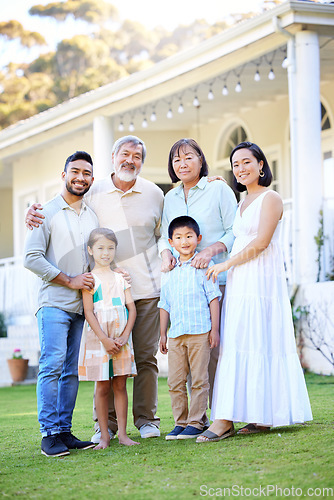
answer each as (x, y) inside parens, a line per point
(131, 206)
(56, 253)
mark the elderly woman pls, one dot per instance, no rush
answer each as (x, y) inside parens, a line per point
(211, 204)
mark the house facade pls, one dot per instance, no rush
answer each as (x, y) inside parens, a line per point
(269, 79)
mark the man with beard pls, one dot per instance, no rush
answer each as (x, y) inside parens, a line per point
(56, 253)
(131, 206)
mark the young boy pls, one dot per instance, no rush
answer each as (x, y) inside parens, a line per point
(191, 302)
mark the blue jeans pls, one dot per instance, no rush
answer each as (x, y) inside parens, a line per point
(57, 381)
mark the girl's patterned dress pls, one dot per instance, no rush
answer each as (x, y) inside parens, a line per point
(109, 307)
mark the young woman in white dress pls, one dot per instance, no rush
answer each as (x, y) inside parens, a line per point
(259, 379)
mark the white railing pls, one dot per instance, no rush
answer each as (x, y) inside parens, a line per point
(286, 240)
(18, 289)
(328, 250)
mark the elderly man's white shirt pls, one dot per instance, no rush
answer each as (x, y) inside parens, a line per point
(135, 218)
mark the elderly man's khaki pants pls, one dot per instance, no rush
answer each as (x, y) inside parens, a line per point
(145, 338)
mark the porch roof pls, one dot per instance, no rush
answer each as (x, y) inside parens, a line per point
(233, 55)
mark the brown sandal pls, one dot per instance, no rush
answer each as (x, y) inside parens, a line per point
(253, 429)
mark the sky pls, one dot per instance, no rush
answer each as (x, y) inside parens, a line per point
(150, 13)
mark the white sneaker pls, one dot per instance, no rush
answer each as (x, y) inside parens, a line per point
(97, 436)
(149, 431)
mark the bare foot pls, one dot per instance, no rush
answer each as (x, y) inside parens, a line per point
(126, 441)
(104, 443)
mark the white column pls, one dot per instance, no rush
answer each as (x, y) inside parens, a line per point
(305, 123)
(103, 141)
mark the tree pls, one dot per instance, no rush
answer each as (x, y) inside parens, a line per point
(109, 50)
(13, 30)
(24, 95)
(83, 62)
(82, 58)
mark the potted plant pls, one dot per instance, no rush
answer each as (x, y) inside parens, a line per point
(18, 366)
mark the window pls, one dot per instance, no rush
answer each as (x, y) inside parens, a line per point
(25, 201)
(237, 135)
(325, 123)
(272, 158)
(165, 187)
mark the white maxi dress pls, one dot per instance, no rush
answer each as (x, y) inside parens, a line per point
(259, 378)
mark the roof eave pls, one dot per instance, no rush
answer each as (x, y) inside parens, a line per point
(247, 32)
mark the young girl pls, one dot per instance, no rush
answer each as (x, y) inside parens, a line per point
(107, 353)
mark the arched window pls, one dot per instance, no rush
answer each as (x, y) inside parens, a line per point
(325, 122)
(233, 137)
(327, 157)
(236, 135)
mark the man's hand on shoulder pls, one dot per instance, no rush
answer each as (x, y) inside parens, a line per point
(82, 282)
(123, 273)
(33, 217)
(216, 178)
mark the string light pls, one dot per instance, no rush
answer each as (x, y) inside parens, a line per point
(238, 87)
(196, 102)
(211, 95)
(285, 61)
(169, 113)
(271, 74)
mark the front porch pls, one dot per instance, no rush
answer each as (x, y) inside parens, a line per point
(18, 299)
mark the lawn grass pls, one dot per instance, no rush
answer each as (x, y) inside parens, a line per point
(300, 456)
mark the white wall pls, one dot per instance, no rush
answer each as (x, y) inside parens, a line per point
(37, 176)
(6, 223)
(317, 326)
